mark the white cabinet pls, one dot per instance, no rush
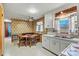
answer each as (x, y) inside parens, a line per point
(45, 42)
(63, 44)
(48, 20)
(54, 45)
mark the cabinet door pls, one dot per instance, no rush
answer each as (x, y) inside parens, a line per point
(45, 42)
(54, 45)
(49, 20)
(46, 21)
(64, 44)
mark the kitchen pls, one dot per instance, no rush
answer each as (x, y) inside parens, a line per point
(63, 32)
(57, 27)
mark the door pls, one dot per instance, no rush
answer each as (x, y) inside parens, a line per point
(1, 29)
(7, 29)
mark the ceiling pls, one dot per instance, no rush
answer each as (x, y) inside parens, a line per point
(21, 10)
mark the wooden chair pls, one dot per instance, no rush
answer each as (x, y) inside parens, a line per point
(22, 41)
(33, 40)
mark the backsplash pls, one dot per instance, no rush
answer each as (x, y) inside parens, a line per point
(51, 31)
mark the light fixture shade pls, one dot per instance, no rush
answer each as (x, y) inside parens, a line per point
(30, 18)
(32, 10)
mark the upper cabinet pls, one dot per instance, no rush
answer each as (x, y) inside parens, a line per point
(48, 20)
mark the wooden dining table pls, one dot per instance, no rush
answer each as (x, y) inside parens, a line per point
(30, 37)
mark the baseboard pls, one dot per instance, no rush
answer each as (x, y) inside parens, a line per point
(50, 51)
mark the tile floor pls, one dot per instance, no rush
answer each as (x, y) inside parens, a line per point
(11, 49)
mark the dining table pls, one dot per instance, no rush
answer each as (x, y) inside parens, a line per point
(28, 37)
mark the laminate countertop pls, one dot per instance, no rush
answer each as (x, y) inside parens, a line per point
(71, 50)
(60, 38)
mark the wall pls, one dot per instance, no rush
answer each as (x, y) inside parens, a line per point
(19, 26)
(66, 6)
(63, 7)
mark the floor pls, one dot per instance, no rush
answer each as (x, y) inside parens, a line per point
(11, 49)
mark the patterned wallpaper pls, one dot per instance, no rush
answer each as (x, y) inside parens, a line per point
(19, 26)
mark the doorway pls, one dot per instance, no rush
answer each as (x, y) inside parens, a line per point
(7, 29)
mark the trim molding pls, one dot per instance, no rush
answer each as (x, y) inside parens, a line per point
(50, 51)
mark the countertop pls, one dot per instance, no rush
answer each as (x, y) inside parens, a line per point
(71, 50)
(60, 38)
(49, 35)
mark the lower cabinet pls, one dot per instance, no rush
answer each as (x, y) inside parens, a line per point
(45, 42)
(55, 45)
(63, 44)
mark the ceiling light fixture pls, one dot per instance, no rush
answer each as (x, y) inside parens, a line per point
(33, 10)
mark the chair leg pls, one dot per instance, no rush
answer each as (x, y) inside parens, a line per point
(19, 44)
(30, 44)
(26, 44)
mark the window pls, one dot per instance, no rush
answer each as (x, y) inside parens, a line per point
(39, 27)
(74, 23)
